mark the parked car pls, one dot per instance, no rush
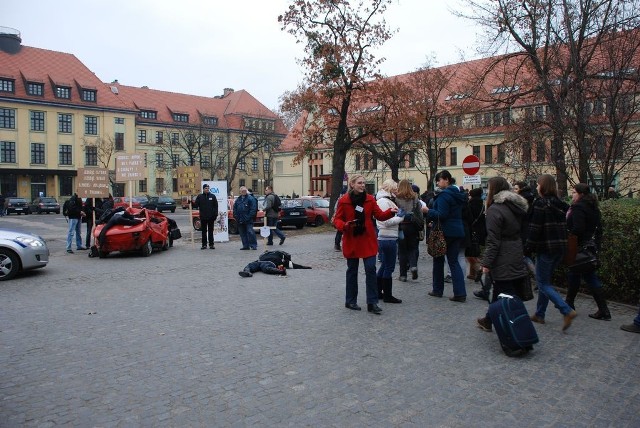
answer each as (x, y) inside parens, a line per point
(136, 201)
(316, 209)
(233, 226)
(292, 214)
(184, 201)
(18, 206)
(21, 251)
(45, 205)
(161, 203)
(152, 233)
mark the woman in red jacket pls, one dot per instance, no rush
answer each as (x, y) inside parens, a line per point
(354, 218)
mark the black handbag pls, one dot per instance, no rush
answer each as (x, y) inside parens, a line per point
(586, 260)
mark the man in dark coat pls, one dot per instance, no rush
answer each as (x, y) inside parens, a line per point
(207, 203)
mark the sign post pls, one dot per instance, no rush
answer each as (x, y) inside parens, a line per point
(130, 168)
(189, 178)
(93, 183)
(471, 167)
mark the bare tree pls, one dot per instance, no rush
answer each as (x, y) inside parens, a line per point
(339, 36)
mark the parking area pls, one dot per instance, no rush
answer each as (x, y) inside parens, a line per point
(180, 339)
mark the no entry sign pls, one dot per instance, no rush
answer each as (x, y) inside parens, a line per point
(471, 165)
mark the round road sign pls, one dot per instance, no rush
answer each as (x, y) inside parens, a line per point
(471, 165)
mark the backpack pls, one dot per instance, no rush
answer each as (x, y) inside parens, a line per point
(68, 206)
(277, 203)
(417, 218)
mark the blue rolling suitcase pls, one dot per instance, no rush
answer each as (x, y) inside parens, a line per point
(513, 326)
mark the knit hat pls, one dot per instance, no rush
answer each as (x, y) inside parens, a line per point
(205, 186)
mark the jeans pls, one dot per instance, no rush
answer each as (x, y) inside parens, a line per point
(206, 228)
(247, 235)
(272, 222)
(74, 227)
(370, 280)
(387, 252)
(636, 320)
(545, 265)
(457, 276)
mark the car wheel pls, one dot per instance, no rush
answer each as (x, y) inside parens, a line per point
(319, 221)
(196, 223)
(102, 254)
(173, 210)
(299, 226)
(147, 249)
(9, 264)
(58, 212)
(39, 211)
(233, 227)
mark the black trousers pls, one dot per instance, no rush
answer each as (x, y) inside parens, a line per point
(206, 227)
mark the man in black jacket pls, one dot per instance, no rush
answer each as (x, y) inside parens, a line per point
(207, 203)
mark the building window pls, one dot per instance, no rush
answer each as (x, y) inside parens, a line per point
(148, 114)
(453, 156)
(142, 186)
(63, 92)
(488, 153)
(7, 85)
(476, 151)
(37, 153)
(181, 117)
(36, 89)
(254, 185)
(206, 161)
(91, 156)
(506, 117)
(159, 185)
(119, 140)
(242, 166)
(65, 154)
(541, 151)
(210, 121)
(119, 120)
(37, 120)
(66, 185)
(65, 123)
(487, 119)
(142, 136)
(501, 153)
(442, 157)
(89, 95)
(7, 152)
(242, 182)
(7, 118)
(175, 138)
(91, 125)
(159, 136)
(266, 165)
(221, 142)
(206, 139)
(175, 160)
(254, 164)
(160, 160)
(539, 112)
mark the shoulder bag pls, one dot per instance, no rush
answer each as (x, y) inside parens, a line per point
(436, 243)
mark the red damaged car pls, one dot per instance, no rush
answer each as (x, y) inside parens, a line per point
(153, 232)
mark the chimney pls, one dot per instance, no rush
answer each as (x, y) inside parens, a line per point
(10, 40)
(226, 92)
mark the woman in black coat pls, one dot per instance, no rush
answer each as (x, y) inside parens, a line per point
(583, 221)
(503, 256)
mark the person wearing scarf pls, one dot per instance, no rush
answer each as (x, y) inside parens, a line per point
(354, 217)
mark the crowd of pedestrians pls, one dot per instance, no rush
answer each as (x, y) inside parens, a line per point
(512, 225)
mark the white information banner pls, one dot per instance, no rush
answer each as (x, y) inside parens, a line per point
(471, 179)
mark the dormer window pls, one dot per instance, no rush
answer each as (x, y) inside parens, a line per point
(7, 85)
(210, 121)
(36, 89)
(456, 97)
(181, 117)
(148, 114)
(505, 89)
(63, 92)
(89, 95)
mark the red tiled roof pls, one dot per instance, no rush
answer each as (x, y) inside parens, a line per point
(51, 68)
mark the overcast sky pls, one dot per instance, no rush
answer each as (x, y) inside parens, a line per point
(202, 46)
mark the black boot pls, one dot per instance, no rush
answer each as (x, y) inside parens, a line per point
(603, 310)
(387, 284)
(379, 283)
(373, 308)
(572, 292)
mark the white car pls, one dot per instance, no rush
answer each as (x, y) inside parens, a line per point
(20, 251)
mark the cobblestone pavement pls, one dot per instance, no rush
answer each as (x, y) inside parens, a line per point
(179, 339)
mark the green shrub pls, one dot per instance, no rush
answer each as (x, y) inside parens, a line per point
(620, 253)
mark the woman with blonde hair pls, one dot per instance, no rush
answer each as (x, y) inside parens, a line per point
(409, 238)
(387, 242)
(354, 218)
